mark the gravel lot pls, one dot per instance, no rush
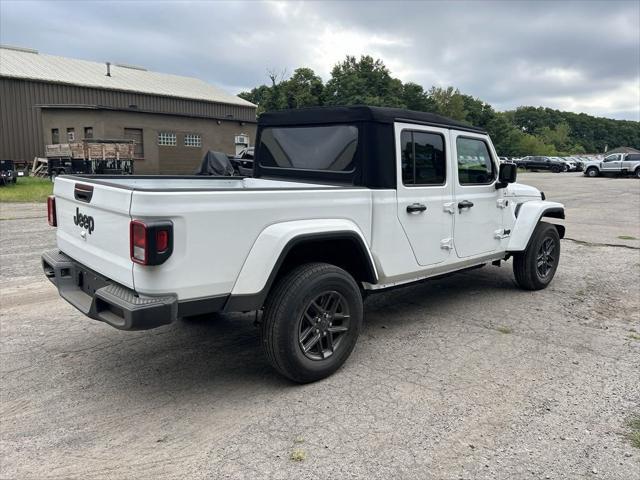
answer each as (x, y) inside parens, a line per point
(465, 377)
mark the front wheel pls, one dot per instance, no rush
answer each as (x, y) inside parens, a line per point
(592, 172)
(312, 319)
(536, 266)
(637, 172)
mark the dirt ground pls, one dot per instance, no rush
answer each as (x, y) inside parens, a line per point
(462, 378)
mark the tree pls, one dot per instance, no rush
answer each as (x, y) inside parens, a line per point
(448, 102)
(524, 131)
(303, 89)
(363, 82)
(531, 145)
(415, 98)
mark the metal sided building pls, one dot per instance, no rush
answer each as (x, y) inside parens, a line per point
(174, 120)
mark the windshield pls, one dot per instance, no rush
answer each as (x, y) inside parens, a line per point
(329, 148)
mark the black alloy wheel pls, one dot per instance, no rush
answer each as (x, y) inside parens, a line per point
(311, 321)
(535, 267)
(323, 325)
(546, 259)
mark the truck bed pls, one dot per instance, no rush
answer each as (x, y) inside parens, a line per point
(167, 183)
(216, 221)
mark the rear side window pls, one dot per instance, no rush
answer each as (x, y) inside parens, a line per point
(327, 148)
(423, 158)
(633, 157)
(475, 166)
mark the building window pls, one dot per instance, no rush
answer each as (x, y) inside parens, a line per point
(71, 134)
(135, 134)
(192, 140)
(55, 136)
(167, 139)
(88, 132)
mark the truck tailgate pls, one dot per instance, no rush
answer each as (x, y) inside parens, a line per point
(93, 228)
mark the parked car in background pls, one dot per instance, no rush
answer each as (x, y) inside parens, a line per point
(614, 164)
(7, 172)
(579, 164)
(537, 162)
(243, 162)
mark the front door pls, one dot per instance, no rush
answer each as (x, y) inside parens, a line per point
(425, 203)
(478, 218)
(611, 163)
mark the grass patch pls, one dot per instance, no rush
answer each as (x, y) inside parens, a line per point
(27, 189)
(626, 237)
(505, 330)
(634, 336)
(298, 455)
(634, 435)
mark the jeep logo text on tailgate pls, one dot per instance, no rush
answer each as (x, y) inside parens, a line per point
(84, 221)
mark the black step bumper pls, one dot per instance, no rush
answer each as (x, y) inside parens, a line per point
(104, 300)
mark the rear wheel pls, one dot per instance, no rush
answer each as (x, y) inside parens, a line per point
(637, 172)
(592, 172)
(312, 319)
(536, 266)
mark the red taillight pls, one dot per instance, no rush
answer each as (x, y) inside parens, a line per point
(51, 211)
(162, 241)
(150, 243)
(138, 242)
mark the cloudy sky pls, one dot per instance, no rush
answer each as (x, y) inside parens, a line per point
(582, 56)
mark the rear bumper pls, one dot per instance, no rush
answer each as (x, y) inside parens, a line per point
(101, 299)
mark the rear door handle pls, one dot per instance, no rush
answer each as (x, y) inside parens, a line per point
(416, 208)
(464, 204)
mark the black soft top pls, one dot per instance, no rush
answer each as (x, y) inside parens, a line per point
(359, 113)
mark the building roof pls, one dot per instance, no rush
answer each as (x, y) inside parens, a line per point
(30, 65)
(359, 113)
(623, 150)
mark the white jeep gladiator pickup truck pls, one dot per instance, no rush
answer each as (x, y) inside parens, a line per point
(344, 202)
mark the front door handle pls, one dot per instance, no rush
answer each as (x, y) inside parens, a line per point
(464, 204)
(416, 208)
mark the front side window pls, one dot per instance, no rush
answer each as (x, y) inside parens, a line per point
(423, 158)
(192, 140)
(475, 166)
(166, 139)
(328, 148)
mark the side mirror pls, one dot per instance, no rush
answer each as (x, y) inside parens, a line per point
(507, 174)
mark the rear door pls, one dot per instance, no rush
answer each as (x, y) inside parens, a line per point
(425, 208)
(478, 219)
(93, 227)
(630, 162)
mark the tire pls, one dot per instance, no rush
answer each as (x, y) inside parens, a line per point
(592, 172)
(291, 316)
(637, 172)
(555, 169)
(529, 275)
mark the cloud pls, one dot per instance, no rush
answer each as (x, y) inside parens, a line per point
(582, 56)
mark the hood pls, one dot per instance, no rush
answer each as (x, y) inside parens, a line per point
(521, 190)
